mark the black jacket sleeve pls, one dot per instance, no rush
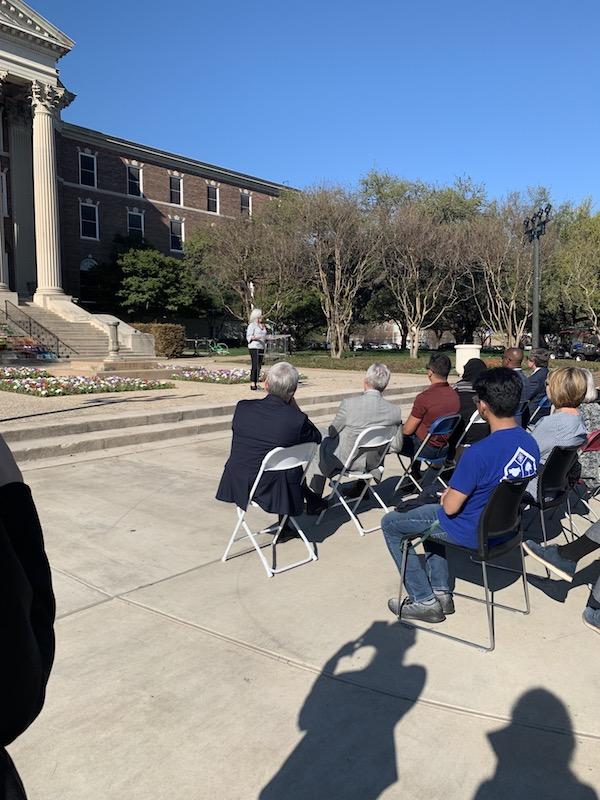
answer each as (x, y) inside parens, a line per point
(27, 611)
(309, 432)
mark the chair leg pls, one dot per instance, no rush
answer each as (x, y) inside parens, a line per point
(489, 606)
(543, 521)
(405, 546)
(525, 584)
(241, 515)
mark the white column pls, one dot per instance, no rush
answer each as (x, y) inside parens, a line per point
(46, 100)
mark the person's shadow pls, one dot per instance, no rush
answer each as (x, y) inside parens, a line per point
(534, 753)
(348, 748)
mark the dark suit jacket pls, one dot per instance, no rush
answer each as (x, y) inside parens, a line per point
(537, 387)
(26, 622)
(258, 427)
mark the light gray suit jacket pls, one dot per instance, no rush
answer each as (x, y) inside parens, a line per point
(355, 415)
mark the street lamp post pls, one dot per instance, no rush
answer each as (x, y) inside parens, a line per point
(534, 227)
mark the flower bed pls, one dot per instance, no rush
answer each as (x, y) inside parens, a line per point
(40, 383)
(203, 375)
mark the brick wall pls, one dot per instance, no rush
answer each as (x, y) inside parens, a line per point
(113, 203)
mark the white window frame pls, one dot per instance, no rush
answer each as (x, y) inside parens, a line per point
(141, 171)
(139, 214)
(249, 196)
(218, 190)
(89, 155)
(180, 179)
(182, 223)
(89, 204)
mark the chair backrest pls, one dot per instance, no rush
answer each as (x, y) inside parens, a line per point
(502, 513)
(443, 426)
(374, 438)
(281, 459)
(475, 419)
(593, 443)
(554, 473)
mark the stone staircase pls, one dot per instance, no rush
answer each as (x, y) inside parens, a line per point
(75, 436)
(87, 341)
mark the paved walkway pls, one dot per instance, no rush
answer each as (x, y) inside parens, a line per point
(179, 677)
(186, 394)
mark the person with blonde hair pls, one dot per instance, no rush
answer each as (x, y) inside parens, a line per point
(566, 390)
(256, 334)
(590, 416)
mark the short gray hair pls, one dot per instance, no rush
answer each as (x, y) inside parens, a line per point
(255, 314)
(591, 394)
(282, 380)
(378, 376)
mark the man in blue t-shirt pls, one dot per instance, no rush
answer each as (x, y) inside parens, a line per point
(509, 452)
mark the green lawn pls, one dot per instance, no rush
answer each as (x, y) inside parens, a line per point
(396, 360)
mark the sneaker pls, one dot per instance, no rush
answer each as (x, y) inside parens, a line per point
(591, 618)
(446, 602)
(551, 559)
(420, 612)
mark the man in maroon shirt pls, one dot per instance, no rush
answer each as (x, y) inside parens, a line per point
(439, 400)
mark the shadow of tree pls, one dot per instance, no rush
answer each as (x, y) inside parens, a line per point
(349, 717)
(534, 754)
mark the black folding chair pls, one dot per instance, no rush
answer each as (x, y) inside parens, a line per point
(443, 427)
(554, 485)
(591, 446)
(500, 519)
(543, 408)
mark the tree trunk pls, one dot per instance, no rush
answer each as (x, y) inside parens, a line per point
(414, 343)
(337, 341)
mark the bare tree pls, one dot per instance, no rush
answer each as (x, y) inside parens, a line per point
(501, 273)
(341, 246)
(421, 258)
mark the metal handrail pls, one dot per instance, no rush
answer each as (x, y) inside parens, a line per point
(36, 331)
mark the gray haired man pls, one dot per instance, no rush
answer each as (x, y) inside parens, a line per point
(354, 415)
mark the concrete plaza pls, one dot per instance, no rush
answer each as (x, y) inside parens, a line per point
(179, 677)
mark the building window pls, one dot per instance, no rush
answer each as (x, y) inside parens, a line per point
(87, 170)
(88, 220)
(134, 181)
(246, 204)
(175, 190)
(212, 199)
(135, 225)
(176, 231)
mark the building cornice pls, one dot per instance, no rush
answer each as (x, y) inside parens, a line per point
(21, 22)
(170, 160)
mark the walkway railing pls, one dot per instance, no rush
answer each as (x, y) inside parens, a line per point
(36, 331)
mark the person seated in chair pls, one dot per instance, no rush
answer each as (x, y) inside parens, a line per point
(567, 388)
(258, 427)
(508, 452)
(537, 361)
(512, 358)
(464, 388)
(354, 415)
(439, 400)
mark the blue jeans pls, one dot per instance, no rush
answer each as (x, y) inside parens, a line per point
(411, 444)
(421, 582)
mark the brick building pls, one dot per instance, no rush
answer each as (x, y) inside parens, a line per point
(66, 191)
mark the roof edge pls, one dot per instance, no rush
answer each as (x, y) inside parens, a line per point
(135, 148)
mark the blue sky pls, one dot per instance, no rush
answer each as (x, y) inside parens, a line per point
(307, 91)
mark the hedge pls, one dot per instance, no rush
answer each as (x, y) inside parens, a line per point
(169, 339)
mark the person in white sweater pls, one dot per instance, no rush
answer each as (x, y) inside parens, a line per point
(256, 335)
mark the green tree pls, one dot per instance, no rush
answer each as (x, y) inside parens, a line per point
(154, 283)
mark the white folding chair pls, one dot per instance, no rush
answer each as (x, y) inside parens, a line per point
(281, 459)
(373, 439)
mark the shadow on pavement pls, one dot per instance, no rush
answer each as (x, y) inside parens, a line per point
(348, 748)
(534, 754)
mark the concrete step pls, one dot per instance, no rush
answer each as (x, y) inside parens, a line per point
(43, 439)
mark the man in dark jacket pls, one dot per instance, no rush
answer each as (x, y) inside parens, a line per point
(258, 427)
(537, 361)
(26, 617)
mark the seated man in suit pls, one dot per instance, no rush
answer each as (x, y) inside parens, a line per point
(258, 427)
(537, 361)
(354, 415)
